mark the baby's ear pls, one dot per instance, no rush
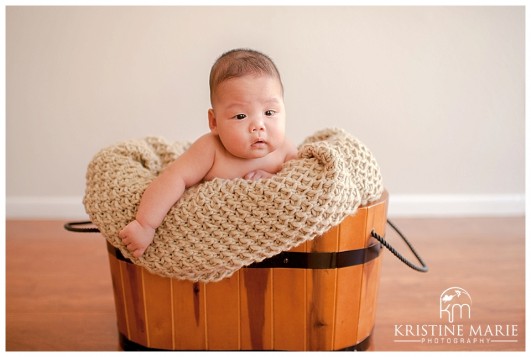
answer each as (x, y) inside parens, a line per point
(212, 124)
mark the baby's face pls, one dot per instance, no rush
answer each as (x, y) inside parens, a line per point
(248, 115)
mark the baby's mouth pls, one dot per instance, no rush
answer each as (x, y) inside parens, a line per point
(258, 142)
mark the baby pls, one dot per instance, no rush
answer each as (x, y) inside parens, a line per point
(246, 140)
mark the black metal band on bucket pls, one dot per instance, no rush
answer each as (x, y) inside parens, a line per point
(302, 260)
(321, 260)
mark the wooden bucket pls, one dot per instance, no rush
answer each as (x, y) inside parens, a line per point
(319, 296)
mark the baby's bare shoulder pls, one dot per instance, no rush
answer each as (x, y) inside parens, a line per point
(206, 139)
(290, 150)
(206, 143)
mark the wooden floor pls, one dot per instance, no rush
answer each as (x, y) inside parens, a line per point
(59, 290)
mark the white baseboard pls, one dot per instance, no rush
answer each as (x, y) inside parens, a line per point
(400, 205)
(456, 205)
(67, 207)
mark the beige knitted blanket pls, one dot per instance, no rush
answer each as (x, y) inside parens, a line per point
(220, 226)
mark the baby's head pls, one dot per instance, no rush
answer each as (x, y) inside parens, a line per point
(247, 96)
(238, 63)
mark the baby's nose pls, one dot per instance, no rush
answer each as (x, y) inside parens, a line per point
(257, 125)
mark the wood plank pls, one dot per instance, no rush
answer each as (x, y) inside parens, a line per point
(352, 231)
(347, 305)
(256, 309)
(223, 314)
(289, 300)
(289, 309)
(328, 242)
(159, 310)
(134, 303)
(321, 308)
(119, 298)
(189, 316)
(322, 290)
(303, 247)
(61, 331)
(376, 221)
(355, 230)
(483, 255)
(368, 299)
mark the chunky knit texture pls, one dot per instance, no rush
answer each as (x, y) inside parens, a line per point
(220, 226)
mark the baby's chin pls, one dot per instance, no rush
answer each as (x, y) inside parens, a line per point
(254, 151)
(254, 156)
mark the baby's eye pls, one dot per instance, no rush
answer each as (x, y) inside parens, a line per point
(240, 116)
(270, 113)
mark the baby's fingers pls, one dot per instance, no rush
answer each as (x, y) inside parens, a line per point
(250, 175)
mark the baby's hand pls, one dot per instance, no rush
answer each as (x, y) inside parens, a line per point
(136, 237)
(257, 174)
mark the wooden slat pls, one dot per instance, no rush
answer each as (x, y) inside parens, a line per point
(223, 314)
(119, 298)
(321, 308)
(328, 242)
(289, 312)
(347, 306)
(134, 303)
(376, 221)
(351, 231)
(289, 301)
(301, 247)
(189, 317)
(369, 295)
(158, 300)
(256, 309)
(322, 291)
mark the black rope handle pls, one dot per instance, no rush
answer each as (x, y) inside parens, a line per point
(74, 227)
(423, 268)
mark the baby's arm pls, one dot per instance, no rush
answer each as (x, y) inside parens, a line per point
(187, 170)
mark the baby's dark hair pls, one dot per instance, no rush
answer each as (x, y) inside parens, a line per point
(238, 63)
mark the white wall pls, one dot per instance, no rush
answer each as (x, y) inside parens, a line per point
(437, 93)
